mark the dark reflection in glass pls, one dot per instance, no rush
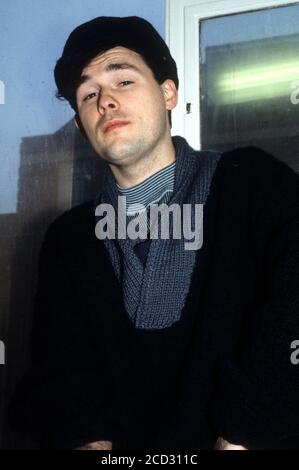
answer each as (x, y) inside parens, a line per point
(248, 87)
(56, 172)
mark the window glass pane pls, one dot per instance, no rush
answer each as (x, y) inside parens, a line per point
(249, 79)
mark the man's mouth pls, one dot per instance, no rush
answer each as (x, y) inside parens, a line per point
(113, 124)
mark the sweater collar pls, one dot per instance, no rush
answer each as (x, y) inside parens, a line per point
(185, 167)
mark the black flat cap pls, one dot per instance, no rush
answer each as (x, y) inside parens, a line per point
(103, 33)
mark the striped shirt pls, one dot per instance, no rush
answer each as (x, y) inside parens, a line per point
(156, 189)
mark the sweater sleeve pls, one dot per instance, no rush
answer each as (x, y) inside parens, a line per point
(259, 388)
(64, 398)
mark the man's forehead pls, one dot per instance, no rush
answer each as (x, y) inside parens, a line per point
(117, 54)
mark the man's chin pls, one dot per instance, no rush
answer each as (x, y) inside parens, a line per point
(119, 151)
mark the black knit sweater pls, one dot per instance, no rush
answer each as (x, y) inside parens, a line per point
(223, 370)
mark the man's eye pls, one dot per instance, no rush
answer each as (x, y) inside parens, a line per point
(126, 83)
(89, 96)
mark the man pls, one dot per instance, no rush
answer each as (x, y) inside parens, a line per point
(140, 342)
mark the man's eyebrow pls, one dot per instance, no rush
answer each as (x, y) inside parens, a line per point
(111, 68)
(122, 66)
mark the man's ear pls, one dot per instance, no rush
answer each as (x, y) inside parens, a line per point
(170, 93)
(79, 125)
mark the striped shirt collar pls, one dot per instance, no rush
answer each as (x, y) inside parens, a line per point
(156, 188)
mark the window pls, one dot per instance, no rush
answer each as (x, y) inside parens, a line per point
(239, 74)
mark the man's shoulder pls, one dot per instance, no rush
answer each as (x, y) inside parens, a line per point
(73, 223)
(255, 157)
(259, 167)
(271, 186)
(249, 155)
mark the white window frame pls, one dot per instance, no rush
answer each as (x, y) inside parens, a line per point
(182, 18)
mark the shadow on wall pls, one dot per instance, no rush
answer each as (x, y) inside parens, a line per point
(56, 172)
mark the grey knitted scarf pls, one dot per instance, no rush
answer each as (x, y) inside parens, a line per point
(154, 295)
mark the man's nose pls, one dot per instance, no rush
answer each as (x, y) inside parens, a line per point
(106, 102)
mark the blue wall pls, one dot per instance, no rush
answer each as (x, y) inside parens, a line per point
(33, 33)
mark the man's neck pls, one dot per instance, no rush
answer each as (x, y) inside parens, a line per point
(131, 175)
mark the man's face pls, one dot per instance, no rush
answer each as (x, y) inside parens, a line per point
(122, 108)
